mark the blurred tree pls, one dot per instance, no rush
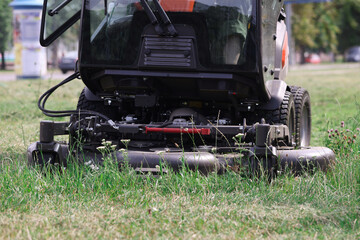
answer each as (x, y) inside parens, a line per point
(315, 27)
(332, 26)
(326, 21)
(5, 28)
(303, 27)
(349, 23)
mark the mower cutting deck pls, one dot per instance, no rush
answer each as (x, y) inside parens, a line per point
(191, 83)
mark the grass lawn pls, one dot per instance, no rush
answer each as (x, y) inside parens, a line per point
(83, 203)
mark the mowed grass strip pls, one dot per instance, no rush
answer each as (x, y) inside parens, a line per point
(106, 203)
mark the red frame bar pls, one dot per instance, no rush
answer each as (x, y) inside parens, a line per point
(202, 131)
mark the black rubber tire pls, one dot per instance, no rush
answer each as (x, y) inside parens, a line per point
(75, 141)
(96, 106)
(285, 114)
(302, 116)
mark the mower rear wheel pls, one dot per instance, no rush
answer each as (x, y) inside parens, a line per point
(84, 104)
(302, 116)
(285, 114)
(96, 106)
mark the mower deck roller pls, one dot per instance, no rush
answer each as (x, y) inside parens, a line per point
(206, 159)
(195, 83)
(295, 161)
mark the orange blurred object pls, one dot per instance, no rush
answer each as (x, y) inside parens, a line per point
(178, 5)
(285, 51)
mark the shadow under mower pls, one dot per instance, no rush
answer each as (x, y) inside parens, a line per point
(182, 83)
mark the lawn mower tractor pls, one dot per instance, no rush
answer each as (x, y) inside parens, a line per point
(179, 83)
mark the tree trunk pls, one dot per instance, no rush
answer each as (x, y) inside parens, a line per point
(302, 55)
(3, 66)
(54, 53)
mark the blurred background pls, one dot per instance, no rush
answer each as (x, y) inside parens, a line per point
(322, 31)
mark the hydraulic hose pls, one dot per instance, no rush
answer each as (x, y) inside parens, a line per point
(64, 113)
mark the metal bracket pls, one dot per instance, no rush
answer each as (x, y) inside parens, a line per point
(48, 129)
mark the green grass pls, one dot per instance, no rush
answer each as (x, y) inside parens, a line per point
(6, 71)
(107, 203)
(334, 95)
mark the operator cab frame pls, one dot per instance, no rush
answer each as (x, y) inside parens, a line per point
(203, 67)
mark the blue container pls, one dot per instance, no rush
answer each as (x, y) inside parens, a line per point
(30, 57)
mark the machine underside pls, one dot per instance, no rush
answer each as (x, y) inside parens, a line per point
(194, 84)
(185, 139)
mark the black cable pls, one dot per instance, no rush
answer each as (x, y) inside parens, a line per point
(167, 123)
(64, 113)
(42, 100)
